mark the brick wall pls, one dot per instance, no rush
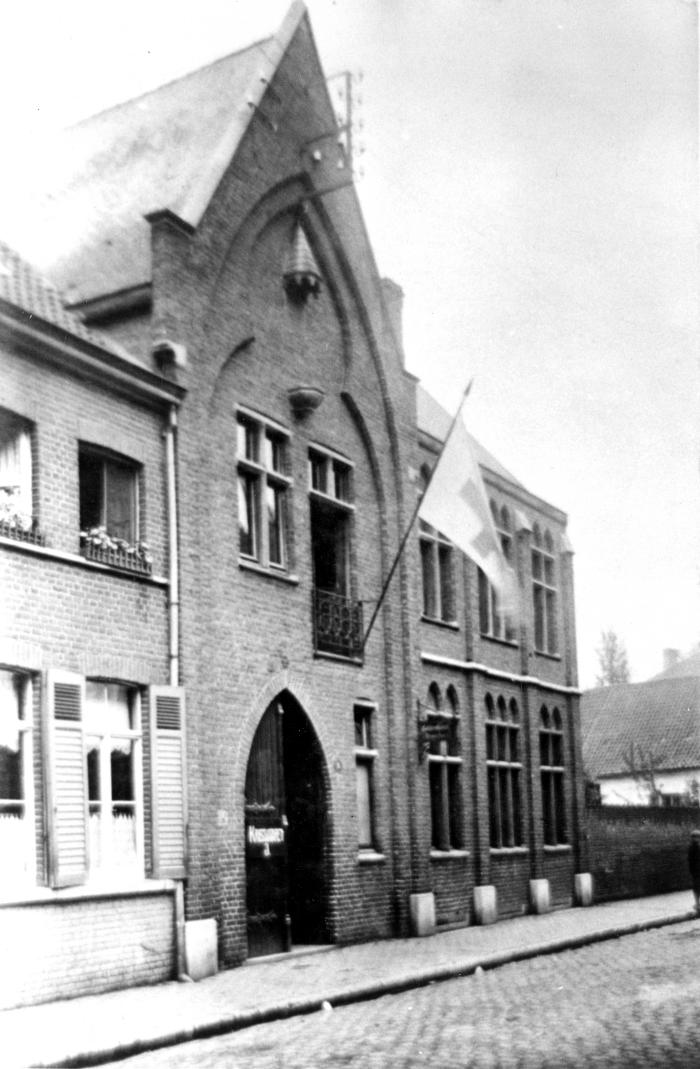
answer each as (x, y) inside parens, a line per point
(453, 884)
(76, 946)
(557, 869)
(639, 850)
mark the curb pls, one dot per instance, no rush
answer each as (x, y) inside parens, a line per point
(236, 1022)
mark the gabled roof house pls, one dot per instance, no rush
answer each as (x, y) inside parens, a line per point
(641, 741)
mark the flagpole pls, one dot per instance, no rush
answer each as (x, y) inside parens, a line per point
(414, 516)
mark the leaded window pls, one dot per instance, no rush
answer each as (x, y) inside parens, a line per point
(504, 772)
(263, 483)
(552, 772)
(544, 591)
(444, 768)
(493, 621)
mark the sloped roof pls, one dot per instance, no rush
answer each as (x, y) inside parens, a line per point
(689, 666)
(165, 150)
(661, 716)
(22, 286)
(435, 421)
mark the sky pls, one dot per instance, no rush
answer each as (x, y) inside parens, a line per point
(530, 180)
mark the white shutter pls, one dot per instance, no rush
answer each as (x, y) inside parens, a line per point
(65, 777)
(168, 796)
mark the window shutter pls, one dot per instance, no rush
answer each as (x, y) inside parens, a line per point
(168, 796)
(66, 789)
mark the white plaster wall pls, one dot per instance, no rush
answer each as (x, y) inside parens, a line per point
(622, 790)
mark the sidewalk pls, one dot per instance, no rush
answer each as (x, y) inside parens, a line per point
(99, 1028)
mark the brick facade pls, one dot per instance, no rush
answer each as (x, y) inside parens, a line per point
(238, 634)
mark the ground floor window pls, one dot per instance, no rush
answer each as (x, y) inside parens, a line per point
(444, 768)
(94, 782)
(552, 773)
(113, 756)
(16, 793)
(504, 772)
(365, 756)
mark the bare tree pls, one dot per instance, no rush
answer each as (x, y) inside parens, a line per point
(643, 766)
(693, 792)
(612, 660)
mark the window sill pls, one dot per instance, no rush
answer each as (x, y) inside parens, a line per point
(447, 855)
(510, 643)
(547, 656)
(560, 848)
(338, 657)
(370, 857)
(450, 625)
(75, 558)
(30, 896)
(508, 851)
(269, 573)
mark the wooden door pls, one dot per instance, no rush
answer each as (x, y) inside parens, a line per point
(266, 839)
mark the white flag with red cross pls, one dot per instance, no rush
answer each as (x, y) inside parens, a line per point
(455, 503)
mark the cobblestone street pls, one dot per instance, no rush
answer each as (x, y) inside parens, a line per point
(628, 1002)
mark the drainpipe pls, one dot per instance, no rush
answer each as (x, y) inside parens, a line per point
(174, 649)
(173, 567)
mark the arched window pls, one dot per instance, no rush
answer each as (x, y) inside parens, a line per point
(544, 592)
(493, 623)
(504, 771)
(552, 772)
(434, 698)
(444, 764)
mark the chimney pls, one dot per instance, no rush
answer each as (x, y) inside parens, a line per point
(670, 657)
(393, 299)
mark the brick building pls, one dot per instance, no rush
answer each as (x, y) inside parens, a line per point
(84, 653)
(218, 753)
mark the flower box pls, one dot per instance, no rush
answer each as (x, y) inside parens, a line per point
(21, 530)
(98, 546)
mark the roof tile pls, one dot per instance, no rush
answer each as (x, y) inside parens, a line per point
(26, 288)
(661, 715)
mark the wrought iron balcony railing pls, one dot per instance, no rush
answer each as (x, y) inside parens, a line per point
(337, 624)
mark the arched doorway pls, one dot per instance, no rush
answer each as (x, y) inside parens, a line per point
(285, 832)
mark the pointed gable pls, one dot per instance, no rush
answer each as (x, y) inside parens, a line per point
(164, 151)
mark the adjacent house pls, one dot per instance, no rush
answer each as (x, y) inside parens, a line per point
(641, 741)
(91, 737)
(210, 452)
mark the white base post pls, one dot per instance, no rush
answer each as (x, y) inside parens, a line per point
(583, 888)
(200, 949)
(540, 901)
(422, 912)
(485, 904)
